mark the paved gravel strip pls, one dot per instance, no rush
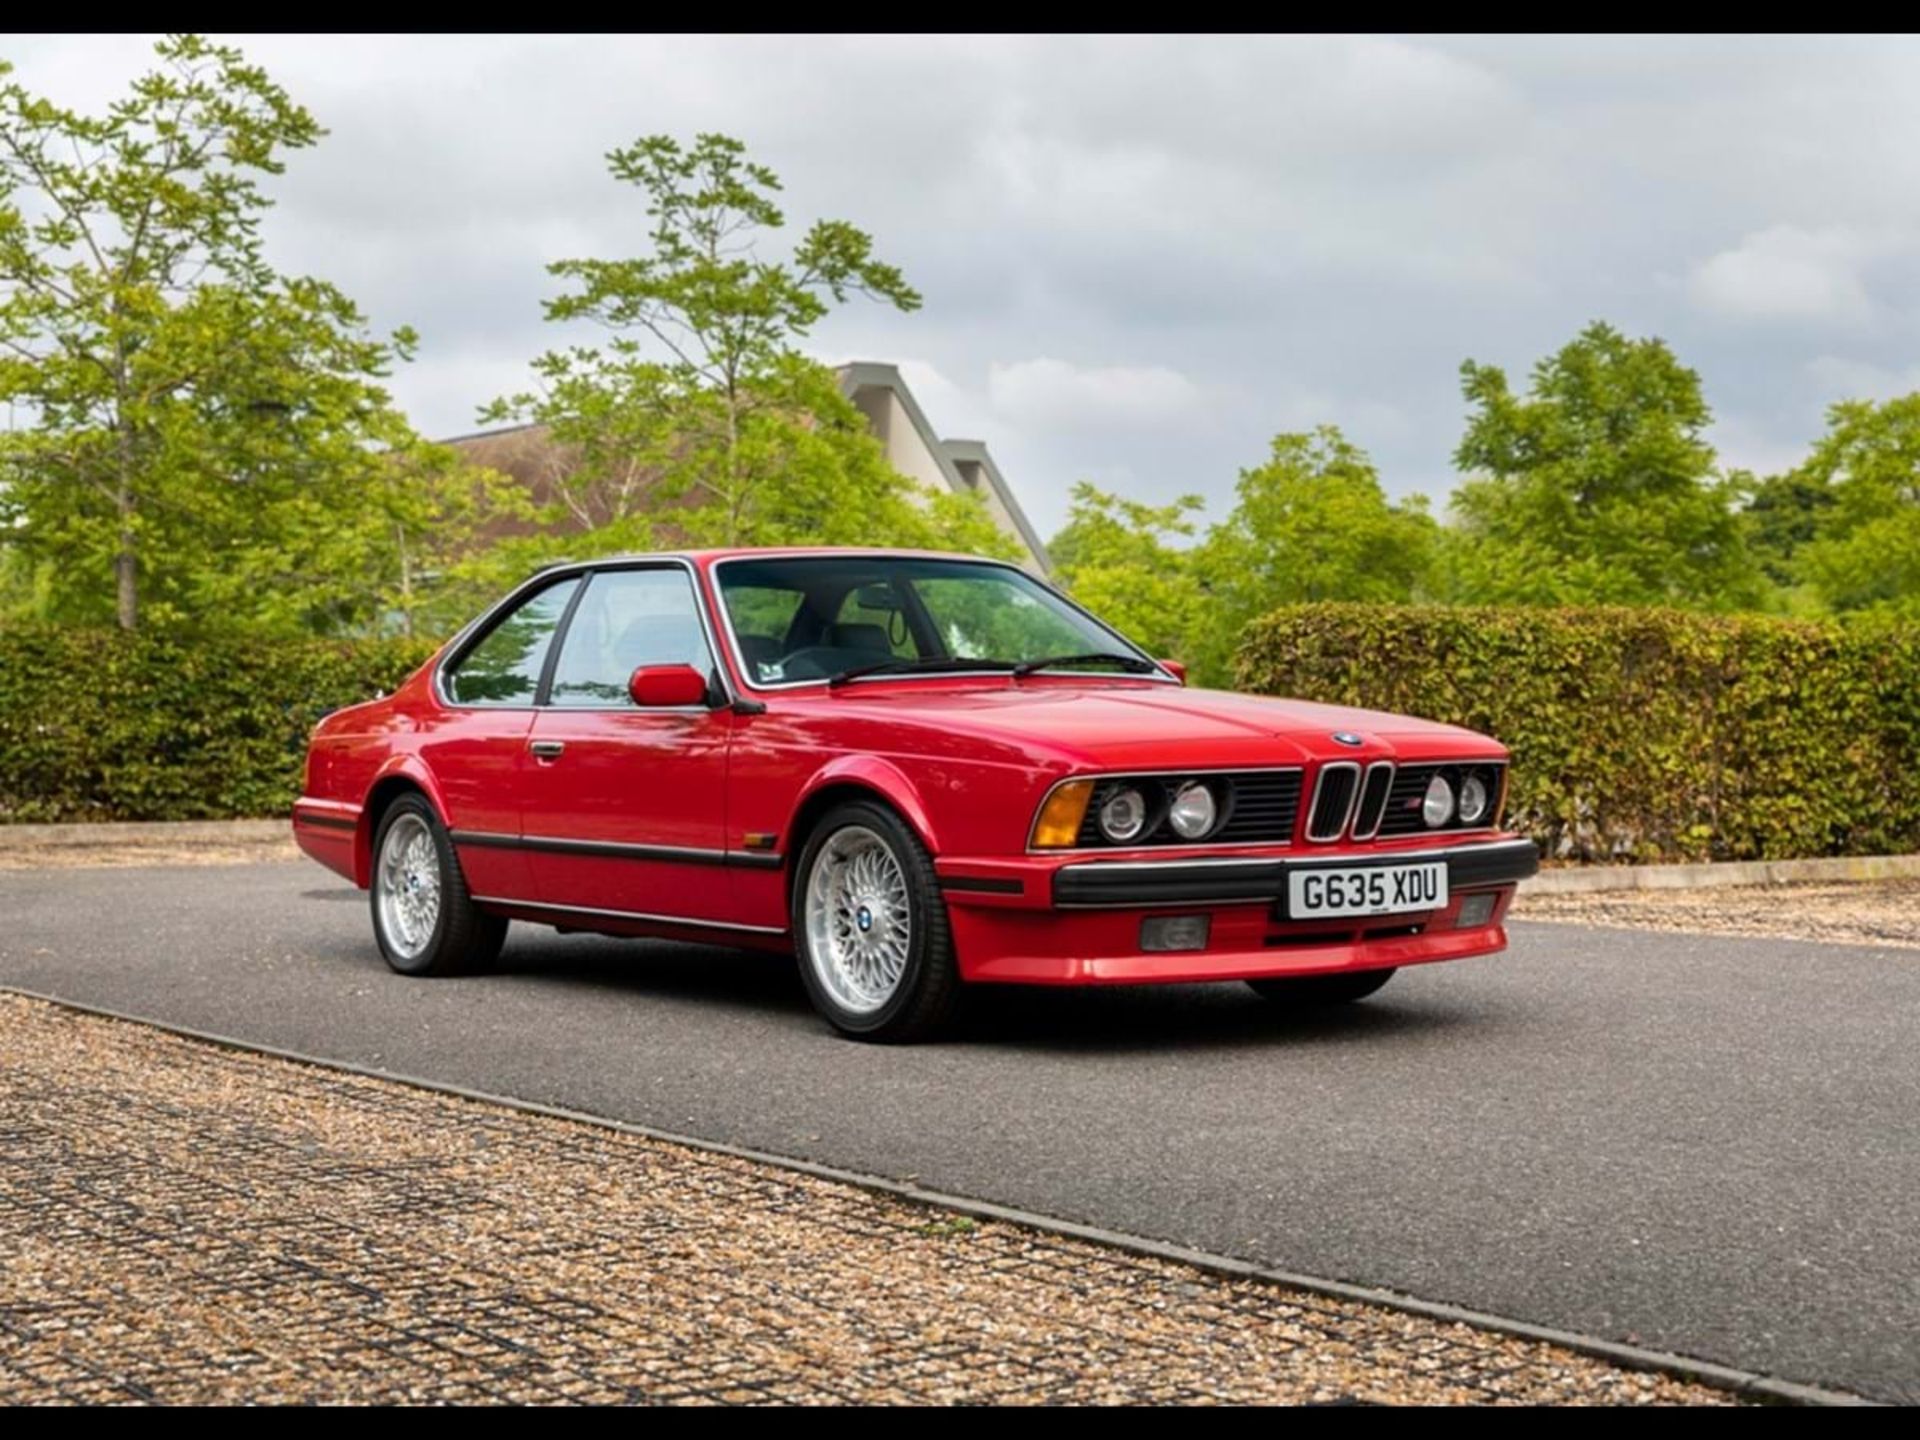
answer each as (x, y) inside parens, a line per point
(211, 842)
(185, 1223)
(1885, 912)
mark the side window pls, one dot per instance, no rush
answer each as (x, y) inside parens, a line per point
(504, 668)
(627, 618)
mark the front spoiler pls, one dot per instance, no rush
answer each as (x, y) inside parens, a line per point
(1130, 884)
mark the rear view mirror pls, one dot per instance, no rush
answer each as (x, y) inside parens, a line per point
(877, 597)
(658, 686)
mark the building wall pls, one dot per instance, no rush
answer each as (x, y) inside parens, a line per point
(916, 452)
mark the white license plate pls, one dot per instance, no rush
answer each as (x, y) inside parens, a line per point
(1366, 890)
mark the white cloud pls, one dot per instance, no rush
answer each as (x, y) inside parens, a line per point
(1786, 273)
(1837, 378)
(1045, 392)
(1142, 257)
(1746, 442)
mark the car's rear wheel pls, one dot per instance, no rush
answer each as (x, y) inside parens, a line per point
(870, 928)
(423, 916)
(1341, 989)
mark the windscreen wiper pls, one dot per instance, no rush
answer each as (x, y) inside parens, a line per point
(1133, 664)
(908, 667)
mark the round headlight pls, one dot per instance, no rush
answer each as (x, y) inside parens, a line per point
(1123, 815)
(1437, 808)
(1474, 797)
(1193, 811)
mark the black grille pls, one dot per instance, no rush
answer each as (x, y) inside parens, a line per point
(1373, 800)
(1260, 808)
(1331, 801)
(1410, 787)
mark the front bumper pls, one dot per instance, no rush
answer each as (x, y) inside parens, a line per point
(1045, 920)
(1088, 884)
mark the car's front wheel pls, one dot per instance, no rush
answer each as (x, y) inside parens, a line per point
(870, 927)
(423, 916)
(1341, 989)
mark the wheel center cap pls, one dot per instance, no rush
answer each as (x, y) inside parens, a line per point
(864, 918)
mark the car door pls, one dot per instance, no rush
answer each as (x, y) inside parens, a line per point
(626, 806)
(475, 743)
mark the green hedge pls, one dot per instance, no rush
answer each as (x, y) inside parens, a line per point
(99, 725)
(1642, 734)
(1637, 734)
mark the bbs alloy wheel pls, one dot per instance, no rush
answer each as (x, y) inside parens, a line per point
(871, 928)
(423, 916)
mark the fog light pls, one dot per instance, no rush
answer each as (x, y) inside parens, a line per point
(1475, 911)
(1174, 932)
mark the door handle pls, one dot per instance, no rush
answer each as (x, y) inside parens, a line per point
(547, 749)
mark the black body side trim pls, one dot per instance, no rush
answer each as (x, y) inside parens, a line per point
(1124, 885)
(982, 885)
(616, 850)
(325, 822)
(542, 909)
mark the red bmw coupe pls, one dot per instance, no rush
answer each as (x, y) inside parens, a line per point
(912, 771)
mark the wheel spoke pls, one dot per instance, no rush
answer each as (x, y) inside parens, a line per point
(408, 881)
(858, 919)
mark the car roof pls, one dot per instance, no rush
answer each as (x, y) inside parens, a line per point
(704, 558)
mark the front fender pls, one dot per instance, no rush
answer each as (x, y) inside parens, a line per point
(882, 776)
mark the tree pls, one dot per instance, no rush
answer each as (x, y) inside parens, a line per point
(1125, 562)
(1783, 514)
(1312, 523)
(700, 412)
(1864, 553)
(399, 546)
(1595, 487)
(184, 403)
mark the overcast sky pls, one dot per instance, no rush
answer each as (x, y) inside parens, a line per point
(1141, 258)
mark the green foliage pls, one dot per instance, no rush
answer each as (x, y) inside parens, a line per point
(1124, 562)
(100, 724)
(1311, 524)
(1782, 515)
(206, 438)
(1596, 487)
(1864, 550)
(1642, 734)
(701, 414)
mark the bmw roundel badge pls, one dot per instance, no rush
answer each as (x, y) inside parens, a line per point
(1346, 737)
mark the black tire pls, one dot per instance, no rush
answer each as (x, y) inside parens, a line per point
(929, 984)
(1341, 989)
(464, 938)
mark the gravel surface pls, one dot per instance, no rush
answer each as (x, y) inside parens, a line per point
(1884, 912)
(185, 1223)
(15, 856)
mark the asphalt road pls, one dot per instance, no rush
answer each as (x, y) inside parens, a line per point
(1709, 1146)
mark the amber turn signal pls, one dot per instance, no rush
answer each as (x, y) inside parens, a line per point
(1059, 824)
